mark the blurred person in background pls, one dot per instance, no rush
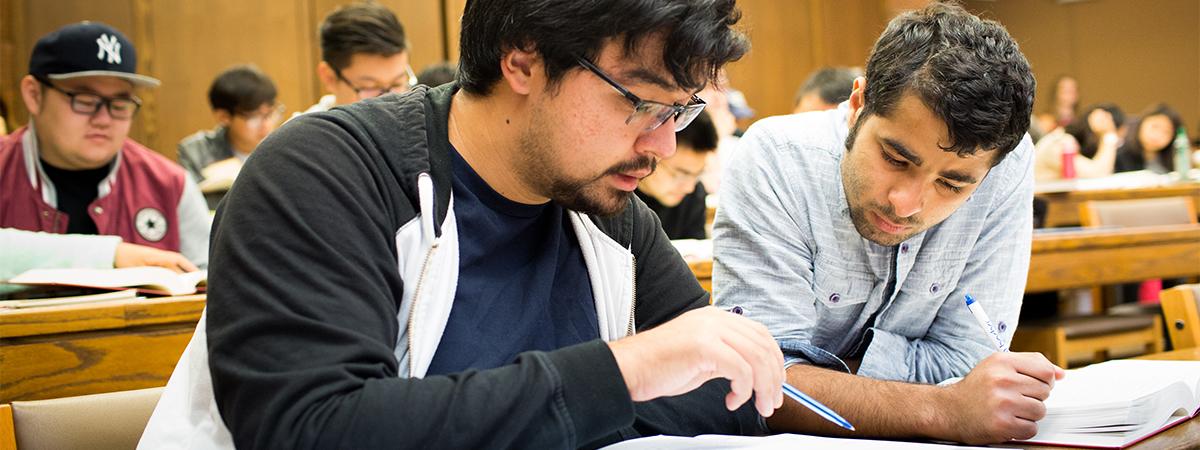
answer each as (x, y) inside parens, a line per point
(826, 88)
(1093, 138)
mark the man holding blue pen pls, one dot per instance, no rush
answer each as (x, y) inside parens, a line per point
(856, 234)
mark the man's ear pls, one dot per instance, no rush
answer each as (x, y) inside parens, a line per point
(856, 100)
(521, 69)
(327, 76)
(31, 94)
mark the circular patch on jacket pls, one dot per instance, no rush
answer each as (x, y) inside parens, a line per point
(151, 224)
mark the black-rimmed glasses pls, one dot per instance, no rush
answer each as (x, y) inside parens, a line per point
(647, 114)
(89, 104)
(372, 92)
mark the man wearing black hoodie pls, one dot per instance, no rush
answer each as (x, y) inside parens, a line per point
(466, 266)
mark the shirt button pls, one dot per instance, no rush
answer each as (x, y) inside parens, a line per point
(834, 297)
(1003, 326)
(904, 248)
(98, 210)
(934, 288)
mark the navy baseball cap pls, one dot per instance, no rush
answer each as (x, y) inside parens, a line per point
(87, 49)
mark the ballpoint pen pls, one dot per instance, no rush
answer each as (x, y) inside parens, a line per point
(985, 323)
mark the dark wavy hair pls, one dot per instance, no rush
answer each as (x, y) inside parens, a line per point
(1082, 131)
(367, 28)
(699, 35)
(969, 71)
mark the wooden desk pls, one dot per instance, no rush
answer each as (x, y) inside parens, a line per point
(70, 350)
(1062, 208)
(1089, 258)
(1183, 436)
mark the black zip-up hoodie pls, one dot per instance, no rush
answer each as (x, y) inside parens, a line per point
(304, 293)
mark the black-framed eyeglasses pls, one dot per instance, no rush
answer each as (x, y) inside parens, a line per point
(89, 104)
(372, 92)
(649, 115)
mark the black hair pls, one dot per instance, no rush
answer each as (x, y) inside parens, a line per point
(700, 135)
(969, 71)
(698, 35)
(832, 84)
(367, 28)
(1079, 128)
(241, 89)
(437, 74)
(1132, 155)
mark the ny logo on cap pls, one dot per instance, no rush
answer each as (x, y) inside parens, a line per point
(108, 44)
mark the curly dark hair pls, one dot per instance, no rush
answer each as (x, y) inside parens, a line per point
(699, 35)
(969, 71)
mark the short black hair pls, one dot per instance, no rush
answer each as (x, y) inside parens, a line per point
(832, 84)
(241, 89)
(1082, 131)
(367, 28)
(969, 71)
(698, 35)
(700, 135)
(437, 74)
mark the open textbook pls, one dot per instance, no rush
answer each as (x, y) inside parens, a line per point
(778, 441)
(150, 280)
(1116, 404)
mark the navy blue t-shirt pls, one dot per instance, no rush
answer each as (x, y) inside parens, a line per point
(522, 283)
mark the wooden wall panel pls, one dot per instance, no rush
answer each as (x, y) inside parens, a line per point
(1126, 52)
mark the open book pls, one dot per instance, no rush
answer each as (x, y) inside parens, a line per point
(150, 280)
(1116, 404)
(774, 442)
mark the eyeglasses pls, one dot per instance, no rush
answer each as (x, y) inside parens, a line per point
(258, 120)
(372, 92)
(89, 104)
(678, 176)
(649, 115)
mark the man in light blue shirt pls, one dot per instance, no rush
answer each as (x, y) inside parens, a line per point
(854, 235)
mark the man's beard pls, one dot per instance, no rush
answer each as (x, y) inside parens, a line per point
(589, 195)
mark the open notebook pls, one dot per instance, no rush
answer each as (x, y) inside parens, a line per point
(1116, 404)
(775, 442)
(149, 280)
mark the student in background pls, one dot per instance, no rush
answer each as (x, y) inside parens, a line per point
(74, 170)
(855, 234)
(364, 54)
(674, 191)
(1148, 141)
(826, 89)
(465, 267)
(1064, 106)
(437, 74)
(25, 250)
(1092, 138)
(243, 103)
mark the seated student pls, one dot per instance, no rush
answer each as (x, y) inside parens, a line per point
(437, 74)
(25, 250)
(854, 235)
(826, 89)
(1149, 141)
(243, 103)
(674, 191)
(364, 54)
(1093, 137)
(465, 266)
(74, 170)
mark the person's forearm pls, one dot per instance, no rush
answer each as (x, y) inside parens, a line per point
(884, 409)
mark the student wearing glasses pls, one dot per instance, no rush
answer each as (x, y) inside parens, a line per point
(243, 103)
(674, 191)
(73, 168)
(364, 54)
(467, 266)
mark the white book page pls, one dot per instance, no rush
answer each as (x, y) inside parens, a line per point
(778, 441)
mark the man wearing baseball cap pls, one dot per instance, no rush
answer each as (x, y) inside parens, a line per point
(73, 168)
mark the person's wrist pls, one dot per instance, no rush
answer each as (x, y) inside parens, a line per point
(622, 354)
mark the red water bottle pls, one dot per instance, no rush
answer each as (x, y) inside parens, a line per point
(1070, 149)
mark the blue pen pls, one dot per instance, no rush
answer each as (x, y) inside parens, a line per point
(985, 323)
(808, 402)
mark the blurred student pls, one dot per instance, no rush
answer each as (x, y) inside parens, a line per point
(826, 89)
(243, 103)
(1092, 139)
(437, 74)
(1065, 106)
(364, 54)
(1148, 144)
(674, 191)
(25, 250)
(73, 168)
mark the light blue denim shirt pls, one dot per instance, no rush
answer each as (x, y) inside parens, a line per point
(786, 251)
